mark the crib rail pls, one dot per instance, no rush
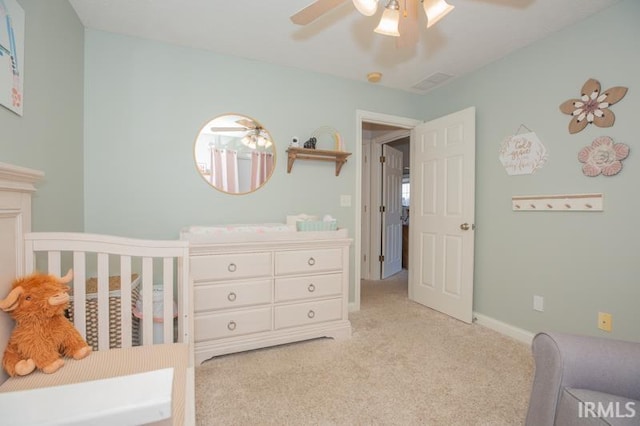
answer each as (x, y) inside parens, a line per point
(157, 263)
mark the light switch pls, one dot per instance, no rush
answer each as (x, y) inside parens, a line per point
(345, 201)
(538, 303)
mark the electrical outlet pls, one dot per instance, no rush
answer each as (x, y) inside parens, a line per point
(345, 201)
(538, 303)
(604, 321)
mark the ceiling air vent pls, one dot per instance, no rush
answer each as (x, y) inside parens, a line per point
(432, 81)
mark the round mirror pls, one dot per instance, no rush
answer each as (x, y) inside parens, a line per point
(234, 154)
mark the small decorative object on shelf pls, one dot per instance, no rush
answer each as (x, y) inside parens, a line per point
(335, 136)
(310, 151)
(311, 143)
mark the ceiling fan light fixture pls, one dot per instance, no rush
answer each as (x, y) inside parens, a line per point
(390, 19)
(366, 7)
(249, 141)
(436, 10)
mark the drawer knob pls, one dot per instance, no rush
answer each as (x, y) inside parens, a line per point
(311, 314)
(232, 297)
(311, 288)
(311, 261)
(232, 267)
(232, 325)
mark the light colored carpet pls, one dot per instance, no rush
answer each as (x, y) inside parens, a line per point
(404, 365)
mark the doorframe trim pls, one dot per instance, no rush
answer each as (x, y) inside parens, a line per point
(363, 116)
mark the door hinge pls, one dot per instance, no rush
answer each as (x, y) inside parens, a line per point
(365, 257)
(383, 159)
(383, 209)
(381, 258)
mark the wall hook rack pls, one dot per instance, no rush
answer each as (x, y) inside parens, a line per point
(558, 203)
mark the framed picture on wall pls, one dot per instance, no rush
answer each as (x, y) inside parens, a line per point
(11, 55)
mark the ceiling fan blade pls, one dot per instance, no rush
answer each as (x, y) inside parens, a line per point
(229, 129)
(314, 11)
(247, 123)
(408, 26)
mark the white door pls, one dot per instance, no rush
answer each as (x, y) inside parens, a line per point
(392, 215)
(442, 214)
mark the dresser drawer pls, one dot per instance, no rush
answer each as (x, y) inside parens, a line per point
(306, 287)
(229, 324)
(231, 295)
(300, 314)
(308, 261)
(230, 266)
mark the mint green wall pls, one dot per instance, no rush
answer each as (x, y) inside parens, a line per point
(581, 263)
(145, 103)
(48, 137)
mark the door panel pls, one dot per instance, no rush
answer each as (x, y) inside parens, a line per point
(443, 198)
(392, 216)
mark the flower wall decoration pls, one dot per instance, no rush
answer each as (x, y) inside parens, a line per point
(593, 106)
(603, 156)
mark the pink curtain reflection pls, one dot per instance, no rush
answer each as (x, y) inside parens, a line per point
(261, 167)
(224, 169)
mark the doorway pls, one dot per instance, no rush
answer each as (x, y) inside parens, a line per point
(442, 255)
(373, 130)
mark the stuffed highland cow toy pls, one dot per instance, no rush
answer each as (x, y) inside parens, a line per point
(42, 333)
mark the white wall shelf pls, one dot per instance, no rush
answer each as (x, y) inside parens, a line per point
(559, 203)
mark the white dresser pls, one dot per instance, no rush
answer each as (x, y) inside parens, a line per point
(258, 289)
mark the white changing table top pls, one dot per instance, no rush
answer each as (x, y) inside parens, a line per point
(254, 233)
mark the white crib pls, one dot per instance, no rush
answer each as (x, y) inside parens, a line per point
(127, 382)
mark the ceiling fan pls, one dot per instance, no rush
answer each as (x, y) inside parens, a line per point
(244, 125)
(255, 134)
(399, 17)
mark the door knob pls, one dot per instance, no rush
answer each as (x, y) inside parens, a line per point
(465, 226)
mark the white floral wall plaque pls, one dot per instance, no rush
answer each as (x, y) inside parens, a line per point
(523, 154)
(603, 156)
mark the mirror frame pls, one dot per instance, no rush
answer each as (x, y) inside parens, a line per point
(258, 128)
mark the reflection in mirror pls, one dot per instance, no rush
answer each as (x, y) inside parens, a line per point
(234, 153)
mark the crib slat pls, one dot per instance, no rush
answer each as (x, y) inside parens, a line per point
(125, 301)
(103, 301)
(53, 260)
(147, 301)
(167, 287)
(80, 292)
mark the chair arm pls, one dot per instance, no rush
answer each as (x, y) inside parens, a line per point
(594, 363)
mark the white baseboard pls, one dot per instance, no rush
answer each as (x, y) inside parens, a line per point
(520, 334)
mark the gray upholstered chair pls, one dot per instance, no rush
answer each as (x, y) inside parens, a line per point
(583, 380)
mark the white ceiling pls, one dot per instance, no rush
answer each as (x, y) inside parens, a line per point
(342, 42)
